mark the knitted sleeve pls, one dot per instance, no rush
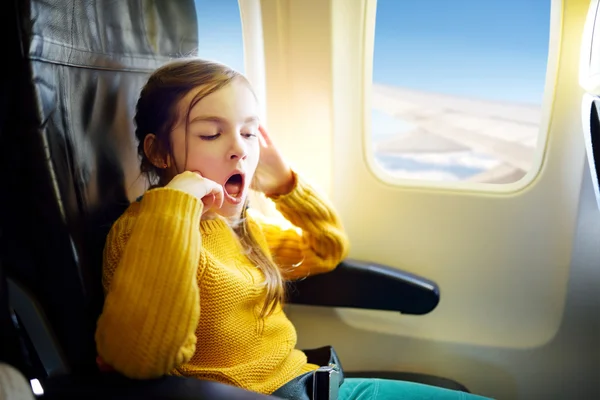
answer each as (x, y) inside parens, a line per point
(152, 306)
(315, 242)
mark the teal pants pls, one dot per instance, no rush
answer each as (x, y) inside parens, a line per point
(384, 389)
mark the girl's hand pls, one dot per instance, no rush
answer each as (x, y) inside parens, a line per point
(209, 192)
(273, 175)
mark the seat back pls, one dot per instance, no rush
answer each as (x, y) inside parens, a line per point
(69, 153)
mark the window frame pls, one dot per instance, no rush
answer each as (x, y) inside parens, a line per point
(544, 133)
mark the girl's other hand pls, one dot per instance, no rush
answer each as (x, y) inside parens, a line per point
(273, 175)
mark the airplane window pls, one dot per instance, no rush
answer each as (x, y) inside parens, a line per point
(220, 35)
(457, 88)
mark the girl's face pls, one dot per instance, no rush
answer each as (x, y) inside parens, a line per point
(222, 140)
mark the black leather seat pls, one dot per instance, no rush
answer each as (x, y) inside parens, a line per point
(70, 169)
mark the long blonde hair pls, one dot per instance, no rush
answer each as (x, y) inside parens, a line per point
(156, 113)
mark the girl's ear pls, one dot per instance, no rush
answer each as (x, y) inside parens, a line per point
(153, 152)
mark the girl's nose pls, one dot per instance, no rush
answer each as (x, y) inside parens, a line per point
(238, 150)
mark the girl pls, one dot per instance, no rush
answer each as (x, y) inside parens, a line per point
(194, 279)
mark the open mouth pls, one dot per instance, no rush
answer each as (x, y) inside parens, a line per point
(235, 185)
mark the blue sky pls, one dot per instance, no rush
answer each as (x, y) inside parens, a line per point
(220, 32)
(490, 49)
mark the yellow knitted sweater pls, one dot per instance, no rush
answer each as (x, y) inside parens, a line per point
(183, 299)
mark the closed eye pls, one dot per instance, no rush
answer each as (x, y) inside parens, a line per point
(248, 135)
(210, 137)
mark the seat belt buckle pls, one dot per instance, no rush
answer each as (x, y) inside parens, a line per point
(326, 383)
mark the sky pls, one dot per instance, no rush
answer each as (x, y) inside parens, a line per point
(489, 49)
(482, 49)
(220, 32)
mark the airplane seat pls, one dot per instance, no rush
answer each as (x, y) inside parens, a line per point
(71, 168)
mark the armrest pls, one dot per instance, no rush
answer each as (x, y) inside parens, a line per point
(357, 284)
(107, 386)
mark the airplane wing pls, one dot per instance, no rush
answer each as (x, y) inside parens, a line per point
(441, 123)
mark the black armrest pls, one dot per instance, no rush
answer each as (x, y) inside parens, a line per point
(114, 386)
(357, 284)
